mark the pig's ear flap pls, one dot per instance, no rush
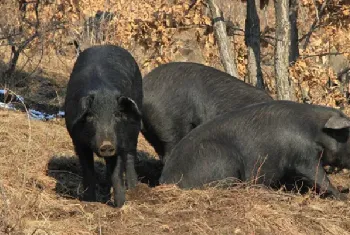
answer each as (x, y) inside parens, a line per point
(129, 107)
(83, 108)
(337, 122)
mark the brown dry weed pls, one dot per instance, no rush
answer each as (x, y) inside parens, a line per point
(40, 180)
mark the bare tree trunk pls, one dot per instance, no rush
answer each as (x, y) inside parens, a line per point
(8, 73)
(293, 17)
(285, 88)
(252, 41)
(226, 54)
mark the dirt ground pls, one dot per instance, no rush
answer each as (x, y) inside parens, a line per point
(40, 182)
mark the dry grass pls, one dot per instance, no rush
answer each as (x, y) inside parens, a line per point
(40, 181)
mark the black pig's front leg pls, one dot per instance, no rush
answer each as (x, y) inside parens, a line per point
(124, 163)
(118, 182)
(86, 160)
(131, 176)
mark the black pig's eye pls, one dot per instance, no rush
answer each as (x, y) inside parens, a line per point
(117, 115)
(89, 117)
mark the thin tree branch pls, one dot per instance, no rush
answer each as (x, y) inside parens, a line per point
(324, 54)
(315, 24)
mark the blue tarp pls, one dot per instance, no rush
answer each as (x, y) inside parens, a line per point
(33, 114)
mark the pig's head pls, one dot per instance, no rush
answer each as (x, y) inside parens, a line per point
(336, 141)
(108, 122)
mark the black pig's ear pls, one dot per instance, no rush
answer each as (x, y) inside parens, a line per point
(84, 106)
(129, 107)
(86, 102)
(337, 122)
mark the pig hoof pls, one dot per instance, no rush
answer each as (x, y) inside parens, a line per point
(132, 184)
(119, 204)
(119, 201)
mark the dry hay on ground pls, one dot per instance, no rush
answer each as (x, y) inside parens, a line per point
(37, 198)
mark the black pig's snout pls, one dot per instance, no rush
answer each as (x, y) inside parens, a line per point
(107, 149)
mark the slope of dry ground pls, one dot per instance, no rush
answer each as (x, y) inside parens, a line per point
(40, 181)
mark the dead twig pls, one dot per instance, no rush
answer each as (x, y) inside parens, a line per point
(315, 24)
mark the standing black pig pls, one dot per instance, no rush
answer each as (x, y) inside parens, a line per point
(269, 142)
(103, 102)
(179, 96)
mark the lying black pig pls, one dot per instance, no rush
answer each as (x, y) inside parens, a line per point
(265, 142)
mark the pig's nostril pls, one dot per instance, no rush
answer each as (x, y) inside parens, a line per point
(107, 149)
